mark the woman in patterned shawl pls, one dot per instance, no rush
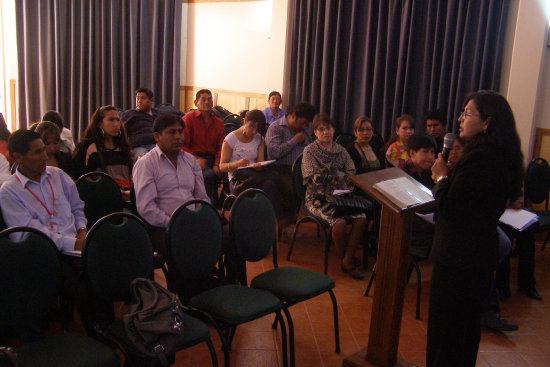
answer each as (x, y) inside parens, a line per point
(325, 168)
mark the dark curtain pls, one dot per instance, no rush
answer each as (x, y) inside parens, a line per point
(77, 55)
(382, 58)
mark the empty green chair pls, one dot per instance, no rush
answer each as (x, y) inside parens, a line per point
(30, 281)
(252, 228)
(100, 194)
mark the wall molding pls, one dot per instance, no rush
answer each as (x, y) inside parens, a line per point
(231, 100)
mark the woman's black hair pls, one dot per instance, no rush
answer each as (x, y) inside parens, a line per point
(501, 135)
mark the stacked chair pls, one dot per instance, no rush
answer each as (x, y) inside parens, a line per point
(194, 242)
(117, 250)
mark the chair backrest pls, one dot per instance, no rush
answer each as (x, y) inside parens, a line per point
(233, 119)
(166, 107)
(30, 277)
(537, 181)
(194, 239)
(345, 139)
(117, 250)
(252, 225)
(298, 186)
(101, 195)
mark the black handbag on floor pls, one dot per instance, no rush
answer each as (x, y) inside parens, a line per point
(154, 321)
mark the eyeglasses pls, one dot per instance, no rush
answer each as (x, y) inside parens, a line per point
(465, 114)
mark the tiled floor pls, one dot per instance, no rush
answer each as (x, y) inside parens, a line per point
(256, 344)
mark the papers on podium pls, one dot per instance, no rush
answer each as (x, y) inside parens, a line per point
(263, 163)
(404, 191)
(518, 219)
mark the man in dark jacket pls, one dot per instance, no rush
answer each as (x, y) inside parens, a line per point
(139, 123)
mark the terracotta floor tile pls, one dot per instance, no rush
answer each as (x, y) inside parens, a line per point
(326, 343)
(248, 339)
(541, 358)
(418, 358)
(504, 359)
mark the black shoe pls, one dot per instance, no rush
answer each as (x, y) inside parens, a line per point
(354, 272)
(492, 320)
(531, 292)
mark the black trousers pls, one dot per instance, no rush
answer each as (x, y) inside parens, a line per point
(454, 327)
(525, 249)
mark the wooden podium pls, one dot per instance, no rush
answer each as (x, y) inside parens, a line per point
(391, 271)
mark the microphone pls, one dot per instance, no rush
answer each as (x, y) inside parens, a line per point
(447, 144)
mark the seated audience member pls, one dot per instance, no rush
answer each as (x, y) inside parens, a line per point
(204, 134)
(365, 157)
(325, 168)
(5, 173)
(456, 151)
(40, 196)
(243, 147)
(5, 159)
(166, 177)
(421, 159)
(396, 151)
(50, 134)
(490, 309)
(66, 143)
(242, 114)
(285, 140)
(105, 148)
(418, 166)
(436, 123)
(4, 136)
(139, 123)
(273, 112)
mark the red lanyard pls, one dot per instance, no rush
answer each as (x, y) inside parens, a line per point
(52, 213)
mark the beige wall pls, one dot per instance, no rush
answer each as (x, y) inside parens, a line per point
(525, 48)
(237, 46)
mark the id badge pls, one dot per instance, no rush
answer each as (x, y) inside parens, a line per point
(52, 225)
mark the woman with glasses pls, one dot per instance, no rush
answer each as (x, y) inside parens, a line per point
(470, 198)
(325, 168)
(105, 148)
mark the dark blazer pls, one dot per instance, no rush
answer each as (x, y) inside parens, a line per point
(469, 204)
(356, 158)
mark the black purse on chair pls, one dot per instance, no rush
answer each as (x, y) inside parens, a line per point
(349, 204)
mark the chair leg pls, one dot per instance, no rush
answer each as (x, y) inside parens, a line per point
(213, 355)
(231, 336)
(290, 336)
(327, 248)
(545, 241)
(335, 315)
(284, 344)
(292, 241)
(418, 288)
(370, 280)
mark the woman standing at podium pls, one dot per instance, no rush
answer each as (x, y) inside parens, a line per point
(470, 199)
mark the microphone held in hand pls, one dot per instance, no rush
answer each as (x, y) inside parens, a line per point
(447, 145)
